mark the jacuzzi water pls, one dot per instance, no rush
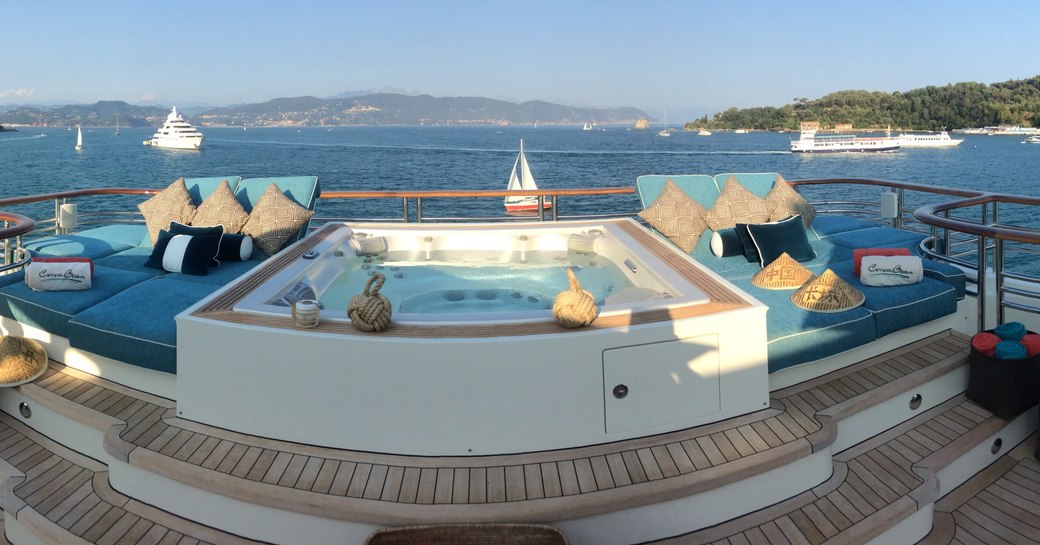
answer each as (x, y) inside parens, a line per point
(451, 281)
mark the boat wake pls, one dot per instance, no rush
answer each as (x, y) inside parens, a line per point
(28, 137)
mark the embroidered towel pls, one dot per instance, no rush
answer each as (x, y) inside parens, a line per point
(859, 253)
(59, 273)
(877, 270)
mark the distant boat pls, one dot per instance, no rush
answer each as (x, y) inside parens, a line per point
(810, 142)
(704, 132)
(117, 124)
(525, 181)
(740, 131)
(79, 138)
(665, 131)
(1032, 140)
(176, 133)
(587, 127)
(940, 140)
(2, 129)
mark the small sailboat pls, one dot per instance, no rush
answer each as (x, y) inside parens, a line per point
(587, 127)
(117, 124)
(79, 138)
(524, 181)
(665, 131)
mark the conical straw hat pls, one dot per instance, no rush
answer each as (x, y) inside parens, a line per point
(784, 273)
(827, 293)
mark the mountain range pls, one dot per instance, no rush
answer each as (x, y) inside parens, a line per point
(370, 109)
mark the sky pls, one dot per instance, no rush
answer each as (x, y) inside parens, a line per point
(688, 57)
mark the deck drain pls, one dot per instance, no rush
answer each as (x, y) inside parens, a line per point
(25, 410)
(997, 444)
(915, 402)
(620, 391)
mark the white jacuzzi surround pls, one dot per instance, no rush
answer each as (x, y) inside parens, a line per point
(479, 394)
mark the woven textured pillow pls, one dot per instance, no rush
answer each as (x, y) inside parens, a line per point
(736, 205)
(169, 205)
(274, 220)
(784, 201)
(221, 208)
(675, 215)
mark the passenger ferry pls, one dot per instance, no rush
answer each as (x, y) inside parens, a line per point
(697, 408)
(176, 133)
(937, 140)
(810, 142)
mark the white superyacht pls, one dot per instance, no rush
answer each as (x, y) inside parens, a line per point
(176, 133)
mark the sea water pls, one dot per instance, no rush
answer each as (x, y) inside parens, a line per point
(43, 160)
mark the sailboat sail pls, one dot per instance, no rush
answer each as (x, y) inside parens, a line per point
(79, 138)
(523, 181)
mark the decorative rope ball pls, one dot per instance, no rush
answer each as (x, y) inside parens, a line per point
(574, 307)
(370, 311)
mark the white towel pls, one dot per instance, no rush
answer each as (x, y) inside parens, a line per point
(58, 275)
(894, 270)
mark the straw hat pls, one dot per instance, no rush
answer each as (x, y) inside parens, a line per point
(22, 360)
(827, 293)
(784, 273)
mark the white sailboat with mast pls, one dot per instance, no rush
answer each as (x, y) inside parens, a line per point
(79, 138)
(525, 181)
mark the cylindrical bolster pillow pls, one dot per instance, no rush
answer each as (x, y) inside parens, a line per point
(890, 270)
(235, 248)
(726, 243)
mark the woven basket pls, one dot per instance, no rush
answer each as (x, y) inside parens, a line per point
(1003, 387)
(469, 534)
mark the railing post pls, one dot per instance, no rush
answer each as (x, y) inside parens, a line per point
(555, 208)
(418, 210)
(946, 234)
(998, 275)
(980, 285)
(900, 203)
(404, 203)
(541, 207)
(58, 229)
(8, 258)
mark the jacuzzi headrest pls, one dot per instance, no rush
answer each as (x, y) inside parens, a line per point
(370, 245)
(584, 243)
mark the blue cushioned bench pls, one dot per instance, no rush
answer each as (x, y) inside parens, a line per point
(798, 336)
(128, 313)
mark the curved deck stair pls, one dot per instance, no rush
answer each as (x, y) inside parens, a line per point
(878, 481)
(66, 496)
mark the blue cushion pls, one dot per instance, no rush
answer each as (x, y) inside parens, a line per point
(947, 273)
(797, 336)
(136, 326)
(303, 190)
(92, 243)
(699, 187)
(224, 273)
(875, 237)
(826, 225)
(900, 307)
(131, 260)
(200, 188)
(51, 310)
(758, 183)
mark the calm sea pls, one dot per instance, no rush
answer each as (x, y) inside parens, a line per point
(426, 158)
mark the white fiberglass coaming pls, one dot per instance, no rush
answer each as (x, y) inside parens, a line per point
(663, 355)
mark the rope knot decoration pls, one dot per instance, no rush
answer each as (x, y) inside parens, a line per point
(574, 307)
(370, 311)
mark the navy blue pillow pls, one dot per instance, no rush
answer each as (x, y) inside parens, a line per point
(787, 235)
(748, 245)
(726, 242)
(192, 254)
(235, 248)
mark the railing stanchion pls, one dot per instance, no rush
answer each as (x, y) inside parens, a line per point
(998, 275)
(404, 203)
(418, 210)
(555, 208)
(900, 203)
(8, 258)
(541, 207)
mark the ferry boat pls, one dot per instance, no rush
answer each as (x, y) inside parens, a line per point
(196, 409)
(810, 142)
(937, 140)
(176, 133)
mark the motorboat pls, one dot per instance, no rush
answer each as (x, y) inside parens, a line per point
(811, 142)
(1035, 139)
(176, 133)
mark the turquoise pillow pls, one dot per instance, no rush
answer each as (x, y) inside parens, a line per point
(787, 235)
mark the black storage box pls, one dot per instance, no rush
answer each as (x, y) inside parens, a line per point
(1003, 387)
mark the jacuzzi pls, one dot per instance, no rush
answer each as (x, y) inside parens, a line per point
(474, 362)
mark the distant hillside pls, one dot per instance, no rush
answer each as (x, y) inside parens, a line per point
(371, 109)
(953, 106)
(398, 109)
(100, 114)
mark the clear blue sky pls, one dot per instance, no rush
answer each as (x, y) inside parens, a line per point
(687, 56)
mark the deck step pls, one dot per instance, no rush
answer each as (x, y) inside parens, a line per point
(536, 487)
(52, 491)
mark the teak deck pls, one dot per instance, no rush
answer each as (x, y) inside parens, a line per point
(874, 484)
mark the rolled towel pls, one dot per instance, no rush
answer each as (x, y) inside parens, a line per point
(1032, 343)
(1010, 350)
(985, 343)
(1011, 331)
(897, 270)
